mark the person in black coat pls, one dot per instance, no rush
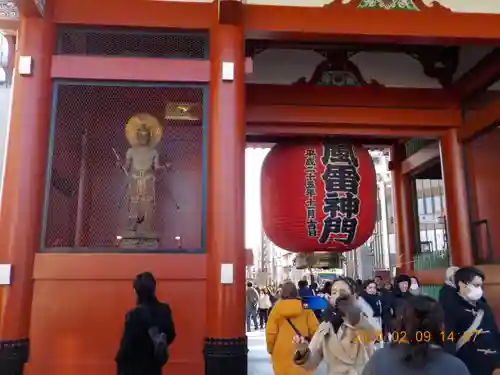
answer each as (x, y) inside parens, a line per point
(400, 292)
(471, 332)
(136, 352)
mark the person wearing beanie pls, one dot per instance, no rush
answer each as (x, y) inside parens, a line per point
(400, 292)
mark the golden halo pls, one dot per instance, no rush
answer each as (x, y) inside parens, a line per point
(152, 124)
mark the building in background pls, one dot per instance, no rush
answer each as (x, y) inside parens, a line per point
(378, 253)
(5, 98)
(430, 225)
(432, 241)
(279, 263)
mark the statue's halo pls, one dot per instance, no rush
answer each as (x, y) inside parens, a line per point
(152, 124)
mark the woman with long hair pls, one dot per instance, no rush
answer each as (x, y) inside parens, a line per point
(417, 346)
(345, 339)
(374, 303)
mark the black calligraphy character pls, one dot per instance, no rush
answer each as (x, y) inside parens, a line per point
(310, 176)
(310, 189)
(310, 163)
(338, 153)
(310, 152)
(349, 228)
(310, 202)
(312, 228)
(311, 212)
(310, 192)
(341, 178)
(348, 205)
(339, 225)
(330, 225)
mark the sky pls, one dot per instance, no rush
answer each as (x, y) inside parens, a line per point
(253, 222)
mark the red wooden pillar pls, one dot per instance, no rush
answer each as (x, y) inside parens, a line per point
(457, 210)
(23, 189)
(403, 211)
(225, 345)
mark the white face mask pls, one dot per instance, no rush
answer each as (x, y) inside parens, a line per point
(413, 286)
(474, 293)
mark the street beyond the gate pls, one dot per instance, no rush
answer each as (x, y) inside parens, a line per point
(259, 361)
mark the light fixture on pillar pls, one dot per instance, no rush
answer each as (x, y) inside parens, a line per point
(227, 71)
(25, 65)
(5, 274)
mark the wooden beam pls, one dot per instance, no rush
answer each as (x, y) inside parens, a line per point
(430, 277)
(270, 139)
(365, 96)
(130, 69)
(421, 159)
(9, 27)
(482, 75)
(348, 23)
(291, 130)
(230, 12)
(479, 120)
(160, 14)
(358, 116)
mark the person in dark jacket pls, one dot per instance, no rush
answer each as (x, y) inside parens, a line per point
(471, 332)
(449, 288)
(136, 352)
(304, 290)
(379, 281)
(314, 288)
(327, 288)
(420, 351)
(400, 292)
(394, 300)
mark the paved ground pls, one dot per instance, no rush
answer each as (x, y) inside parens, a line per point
(259, 362)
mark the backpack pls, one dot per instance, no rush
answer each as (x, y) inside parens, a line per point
(160, 346)
(158, 339)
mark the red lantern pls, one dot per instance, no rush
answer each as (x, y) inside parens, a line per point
(318, 196)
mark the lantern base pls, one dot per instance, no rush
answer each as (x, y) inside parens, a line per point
(320, 259)
(226, 356)
(13, 355)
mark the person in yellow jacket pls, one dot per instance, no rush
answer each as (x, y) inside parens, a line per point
(288, 315)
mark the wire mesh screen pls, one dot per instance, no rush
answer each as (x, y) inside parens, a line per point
(110, 186)
(131, 43)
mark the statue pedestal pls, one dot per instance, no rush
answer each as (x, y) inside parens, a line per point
(138, 240)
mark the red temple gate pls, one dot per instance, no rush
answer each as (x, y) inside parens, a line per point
(51, 291)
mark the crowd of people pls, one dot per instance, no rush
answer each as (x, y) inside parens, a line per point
(378, 327)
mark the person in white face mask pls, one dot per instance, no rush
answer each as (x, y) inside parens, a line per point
(414, 286)
(471, 332)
